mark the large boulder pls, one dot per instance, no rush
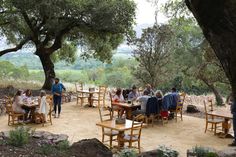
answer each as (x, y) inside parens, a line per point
(192, 109)
(90, 148)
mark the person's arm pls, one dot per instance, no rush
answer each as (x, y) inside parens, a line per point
(63, 87)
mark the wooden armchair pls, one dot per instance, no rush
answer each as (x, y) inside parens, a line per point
(101, 96)
(12, 116)
(79, 94)
(212, 120)
(134, 136)
(105, 114)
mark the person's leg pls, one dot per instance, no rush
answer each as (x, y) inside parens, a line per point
(59, 106)
(55, 104)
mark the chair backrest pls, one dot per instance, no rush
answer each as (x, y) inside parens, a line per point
(9, 109)
(205, 109)
(209, 104)
(140, 90)
(136, 129)
(182, 97)
(79, 86)
(102, 95)
(104, 114)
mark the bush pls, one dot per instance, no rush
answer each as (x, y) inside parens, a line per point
(128, 153)
(19, 137)
(163, 151)
(47, 149)
(203, 152)
(63, 146)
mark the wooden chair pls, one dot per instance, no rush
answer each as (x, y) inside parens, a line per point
(101, 96)
(210, 104)
(12, 116)
(114, 109)
(212, 120)
(105, 114)
(179, 107)
(134, 135)
(80, 95)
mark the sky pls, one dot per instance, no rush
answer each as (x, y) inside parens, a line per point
(145, 13)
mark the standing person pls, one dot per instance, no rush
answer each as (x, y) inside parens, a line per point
(43, 108)
(57, 88)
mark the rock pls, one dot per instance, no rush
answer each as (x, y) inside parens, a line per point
(90, 148)
(6, 134)
(152, 153)
(230, 152)
(38, 134)
(60, 138)
(192, 109)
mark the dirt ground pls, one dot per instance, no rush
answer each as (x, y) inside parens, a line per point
(80, 123)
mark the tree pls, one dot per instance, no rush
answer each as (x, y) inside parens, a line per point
(57, 27)
(152, 52)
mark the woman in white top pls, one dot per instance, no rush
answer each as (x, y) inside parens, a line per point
(18, 103)
(118, 97)
(43, 108)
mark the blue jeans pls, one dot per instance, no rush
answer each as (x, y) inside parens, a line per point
(57, 103)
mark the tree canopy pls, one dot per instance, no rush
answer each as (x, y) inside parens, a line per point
(96, 26)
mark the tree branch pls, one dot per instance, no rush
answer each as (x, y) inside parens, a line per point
(18, 47)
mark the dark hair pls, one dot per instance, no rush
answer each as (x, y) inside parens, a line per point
(145, 92)
(18, 93)
(57, 79)
(118, 91)
(134, 87)
(173, 89)
(28, 92)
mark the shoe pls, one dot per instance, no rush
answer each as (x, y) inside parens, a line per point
(55, 116)
(233, 144)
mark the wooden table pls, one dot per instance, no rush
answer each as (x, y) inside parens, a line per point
(226, 125)
(32, 107)
(90, 93)
(121, 128)
(128, 107)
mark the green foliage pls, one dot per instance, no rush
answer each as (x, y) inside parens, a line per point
(163, 151)
(19, 137)
(49, 149)
(128, 153)
(203, 152)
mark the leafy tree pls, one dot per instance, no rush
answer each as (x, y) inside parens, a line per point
(56, 27)
(153, 50)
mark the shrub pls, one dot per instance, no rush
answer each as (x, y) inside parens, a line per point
(47, 149)
(163, 151)
(63, 146)
(19, 137)
(203, 152)
(128, 153)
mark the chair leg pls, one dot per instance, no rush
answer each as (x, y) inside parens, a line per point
(206, 127)
(181, 114)
(77, 100)
(102, 138)
(111, 142)
(176, 116)
(139, 148)
(215, 129)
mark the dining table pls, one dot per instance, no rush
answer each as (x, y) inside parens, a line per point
(128, 107)
(90, 94)
(227, 116)
(31, 106)
(121, 128)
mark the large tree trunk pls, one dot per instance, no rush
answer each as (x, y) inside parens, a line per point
(49, 72)
(218, 22)
(218, 97)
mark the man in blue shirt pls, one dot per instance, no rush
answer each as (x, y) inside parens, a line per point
(57, 88)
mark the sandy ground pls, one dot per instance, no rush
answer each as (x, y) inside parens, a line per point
(80, 123)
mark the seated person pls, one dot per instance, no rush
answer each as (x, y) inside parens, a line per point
(175, 98)
(133, 95)
(43, 106)
(143, 101)
(27, 95)
(18, 103)
(149, 90)
(159, 95)
(118, 97)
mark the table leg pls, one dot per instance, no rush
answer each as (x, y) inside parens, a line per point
(120, 142)
(129, 113)
(90, 101)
